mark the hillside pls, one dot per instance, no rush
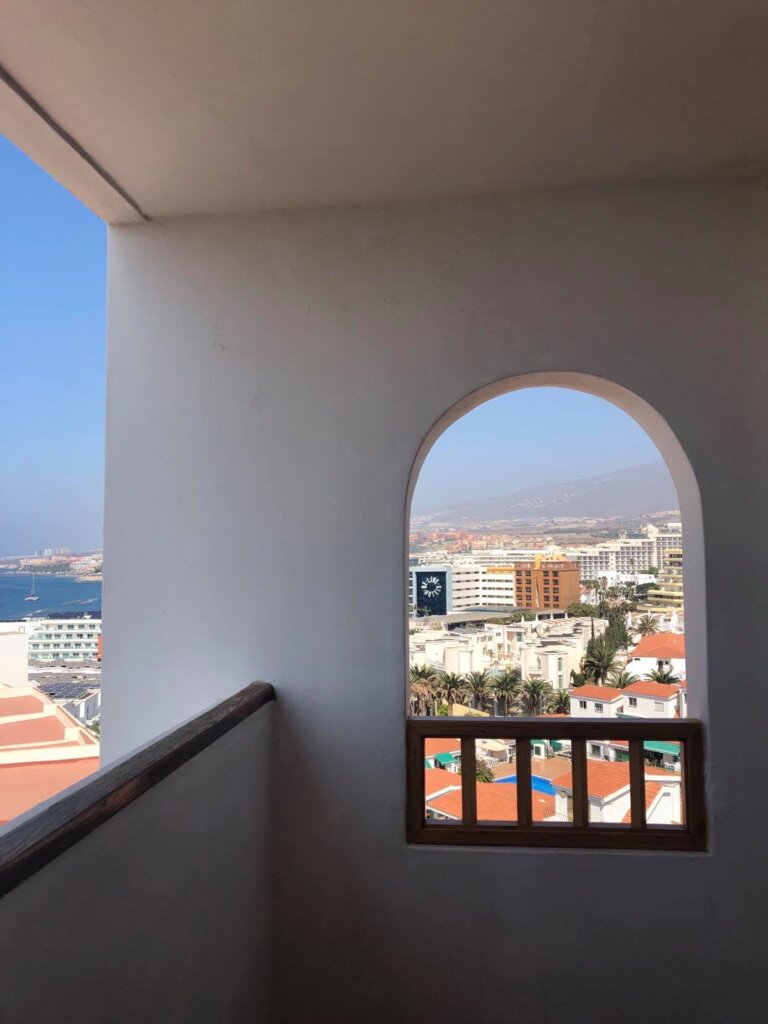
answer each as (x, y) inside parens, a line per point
(637, 491)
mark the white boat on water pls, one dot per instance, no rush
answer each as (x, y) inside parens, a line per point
(32, 596)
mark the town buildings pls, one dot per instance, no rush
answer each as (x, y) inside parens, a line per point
(80, 697)
(642, 699)
(608, 794)
(660, 652)
(552, 801)
(627, 555)
(542, 584)
(550, 649)
(546, 578)
(591, 701)
(667, 595)
(64, 639)
(537, 583)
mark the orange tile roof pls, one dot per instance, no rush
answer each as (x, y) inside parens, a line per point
(31, 730)
(595, 692)
(496, 801)
(650, 688)
(436, 780)
(434, 746)
(604, 778)
(661, 645)
(38, 761)
(22, 786)
(25, 705)
(652, 790)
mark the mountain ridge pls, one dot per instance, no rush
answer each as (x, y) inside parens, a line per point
(637, 490)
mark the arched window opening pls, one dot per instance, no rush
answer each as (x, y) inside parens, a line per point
(548, 611)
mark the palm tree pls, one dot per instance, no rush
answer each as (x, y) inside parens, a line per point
(479, 684)
(534, 694)
(423, 680)
(559, 702)
(506, 686)
(622, 678)
(647, 624)
(451, 687)
(600, 659)
(663, 675)
(418, 696)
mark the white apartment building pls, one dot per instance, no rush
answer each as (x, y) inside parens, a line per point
(627, 555)
(462, 650)
(609, 797)
(663, 652)
(590, 701)
(648, 699)
(553, 649)
(85, 708)
(64, 639)
(447, 651)
(14, 646)
(549, 649)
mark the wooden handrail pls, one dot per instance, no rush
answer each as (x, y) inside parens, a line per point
(37, 841)
(637, 833)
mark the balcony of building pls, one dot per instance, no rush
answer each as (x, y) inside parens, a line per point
(334, 228)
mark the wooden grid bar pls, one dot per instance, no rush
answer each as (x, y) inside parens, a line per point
(690, 835)
(579, 779)
(523, 771)
(637, 784)
(468, 783)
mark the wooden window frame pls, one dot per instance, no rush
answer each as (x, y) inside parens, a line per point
(581, 833)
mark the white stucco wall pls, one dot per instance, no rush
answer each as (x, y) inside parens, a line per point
(270, 382)
(160, 915)
(14, 653)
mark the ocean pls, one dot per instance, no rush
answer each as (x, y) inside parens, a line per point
(56, 593)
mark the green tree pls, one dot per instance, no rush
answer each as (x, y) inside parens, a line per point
(600, 659)
(622, 678)
(616, 630)
(663, 675)
(580, 610)
(479, 685)
(559, 702)
(506, 686)
(483, 773)
(647, 625)
(577, 678)
(534, 694)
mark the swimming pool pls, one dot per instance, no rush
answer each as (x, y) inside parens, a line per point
(538, 784)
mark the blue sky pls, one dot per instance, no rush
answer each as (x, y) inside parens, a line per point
(534, 436)
(52, 326)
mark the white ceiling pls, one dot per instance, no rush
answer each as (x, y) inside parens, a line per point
(221, 105)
